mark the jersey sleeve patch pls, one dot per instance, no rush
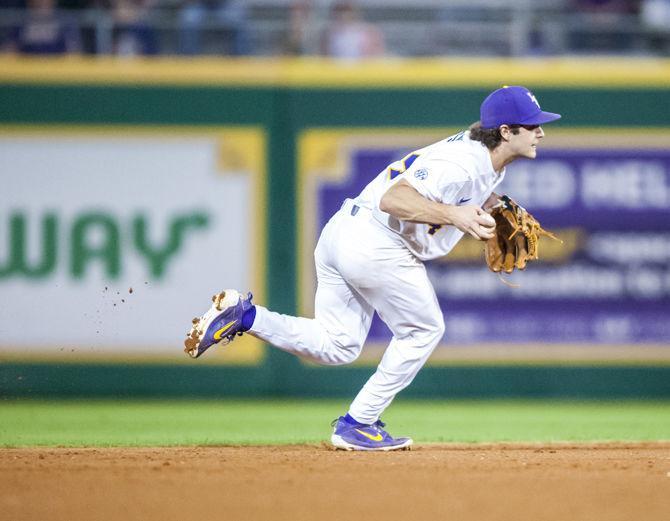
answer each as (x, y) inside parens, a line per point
(404, 165)
(421, 173)
(409, 160)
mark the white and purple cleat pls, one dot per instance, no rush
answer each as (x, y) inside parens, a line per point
(220, 324)
(350, 435)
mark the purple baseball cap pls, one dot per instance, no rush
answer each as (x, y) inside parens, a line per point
(513, 106)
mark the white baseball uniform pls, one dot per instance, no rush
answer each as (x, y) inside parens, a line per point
(367, 261)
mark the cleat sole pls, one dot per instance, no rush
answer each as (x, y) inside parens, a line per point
(341, 444)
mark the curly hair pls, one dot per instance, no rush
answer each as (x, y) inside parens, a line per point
(489, 137)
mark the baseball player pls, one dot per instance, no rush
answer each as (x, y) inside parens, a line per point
(370, 258)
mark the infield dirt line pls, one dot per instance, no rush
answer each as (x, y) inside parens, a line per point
(466, 482)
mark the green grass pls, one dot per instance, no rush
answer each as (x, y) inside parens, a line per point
(145, 423)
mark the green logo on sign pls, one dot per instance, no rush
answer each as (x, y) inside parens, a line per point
(93, 237)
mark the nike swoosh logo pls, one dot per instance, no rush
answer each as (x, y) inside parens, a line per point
(464, 200)
(218, 334)
(377, 437)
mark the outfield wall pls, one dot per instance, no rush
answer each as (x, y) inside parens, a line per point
(135, 189)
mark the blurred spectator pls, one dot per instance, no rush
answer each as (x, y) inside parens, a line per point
(655, 16)
(133, 34)
(300, 13)
(192, 15)
(44, 30)
(349, 37)
(216, 19)
(603, 25)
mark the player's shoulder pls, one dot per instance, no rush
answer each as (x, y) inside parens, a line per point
(460, 152)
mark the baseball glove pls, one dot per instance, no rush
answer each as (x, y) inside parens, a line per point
(517, 236)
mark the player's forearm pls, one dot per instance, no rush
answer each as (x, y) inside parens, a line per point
(403, 202)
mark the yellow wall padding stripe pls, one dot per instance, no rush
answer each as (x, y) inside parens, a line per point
(320, 72)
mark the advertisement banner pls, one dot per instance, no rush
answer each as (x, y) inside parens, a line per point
(606, 286)
(112, 239)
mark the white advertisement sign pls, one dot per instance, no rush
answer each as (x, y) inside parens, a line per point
(112, 240)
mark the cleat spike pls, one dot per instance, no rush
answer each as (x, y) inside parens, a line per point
(218, 299)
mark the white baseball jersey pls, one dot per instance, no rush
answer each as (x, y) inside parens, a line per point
(454, 171)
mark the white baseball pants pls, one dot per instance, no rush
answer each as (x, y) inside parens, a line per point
(362, 268)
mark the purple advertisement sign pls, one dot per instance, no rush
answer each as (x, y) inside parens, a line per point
(608, 283)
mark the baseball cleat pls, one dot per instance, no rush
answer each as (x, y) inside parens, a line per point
(358, 436)
(219, 324)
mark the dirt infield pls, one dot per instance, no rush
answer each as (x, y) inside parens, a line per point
(460, 482)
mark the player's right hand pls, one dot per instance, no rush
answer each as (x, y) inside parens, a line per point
(473, 220)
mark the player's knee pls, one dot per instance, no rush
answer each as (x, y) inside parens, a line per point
(338, 357)
(427, 333)
(434, 330)
(342, 358)
(342, 350)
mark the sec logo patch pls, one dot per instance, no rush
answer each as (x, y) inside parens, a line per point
(421, 173)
